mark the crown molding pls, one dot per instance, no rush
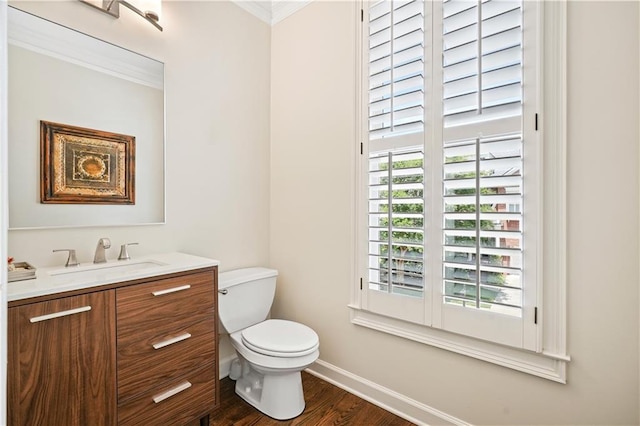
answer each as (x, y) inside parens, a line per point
(272, 11)
(259, 9)
(280, 9)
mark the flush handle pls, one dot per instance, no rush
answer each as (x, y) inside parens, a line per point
(223, 291)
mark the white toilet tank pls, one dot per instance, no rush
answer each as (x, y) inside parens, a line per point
(245, 297)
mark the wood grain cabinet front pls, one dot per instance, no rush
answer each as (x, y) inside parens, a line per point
(61, 362)
(175, 402)
(134, 353)
(167, 329)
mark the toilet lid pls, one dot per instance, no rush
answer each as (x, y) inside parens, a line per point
(280, 338)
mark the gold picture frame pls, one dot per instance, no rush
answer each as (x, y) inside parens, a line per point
(85, 166)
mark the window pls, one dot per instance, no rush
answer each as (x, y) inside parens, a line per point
(450, 217)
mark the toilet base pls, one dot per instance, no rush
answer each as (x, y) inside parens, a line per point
(278, 395)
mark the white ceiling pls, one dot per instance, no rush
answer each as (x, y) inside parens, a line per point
(272, 11)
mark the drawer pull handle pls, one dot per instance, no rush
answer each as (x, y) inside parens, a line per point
(171, 341)
(168, 394)
(171, 290)
(60, 314)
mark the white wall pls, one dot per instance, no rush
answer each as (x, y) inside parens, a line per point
(217, 91)
(313, 127)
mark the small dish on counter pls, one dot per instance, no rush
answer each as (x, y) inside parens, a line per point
(21, 271)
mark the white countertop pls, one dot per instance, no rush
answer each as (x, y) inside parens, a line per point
(58, 279)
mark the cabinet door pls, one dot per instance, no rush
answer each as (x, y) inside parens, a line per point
(62, 361)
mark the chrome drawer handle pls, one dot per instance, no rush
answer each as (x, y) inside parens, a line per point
(168, 394)
(171, 290)
(171, 341)
(60, 314)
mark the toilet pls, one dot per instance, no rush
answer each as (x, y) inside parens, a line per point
(271, 352)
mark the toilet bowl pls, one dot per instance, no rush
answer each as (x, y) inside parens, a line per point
(271, 352)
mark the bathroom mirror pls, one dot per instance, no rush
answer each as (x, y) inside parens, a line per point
(60, 75)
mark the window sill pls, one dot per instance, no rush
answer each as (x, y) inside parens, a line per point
(547, 365)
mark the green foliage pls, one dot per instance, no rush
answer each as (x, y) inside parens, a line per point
(407, 236)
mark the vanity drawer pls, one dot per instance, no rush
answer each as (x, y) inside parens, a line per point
(165, 329)
(161, 304)
(138, 333)
(176, 403)
(142, 366)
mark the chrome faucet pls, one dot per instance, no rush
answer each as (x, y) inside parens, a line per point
(103, 243)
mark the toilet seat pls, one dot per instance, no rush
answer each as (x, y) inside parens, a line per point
(280, 338)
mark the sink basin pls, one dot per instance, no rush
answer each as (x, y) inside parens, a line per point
(102, 270)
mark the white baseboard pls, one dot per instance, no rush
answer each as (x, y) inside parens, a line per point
(398, 404)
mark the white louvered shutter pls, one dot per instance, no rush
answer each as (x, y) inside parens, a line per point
(395, 153)
(396, 68)
(482, 154)
(482, 60)
(445, 165)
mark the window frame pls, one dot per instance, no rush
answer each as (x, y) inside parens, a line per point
(549, 357)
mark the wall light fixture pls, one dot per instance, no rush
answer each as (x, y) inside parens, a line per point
(148, 9)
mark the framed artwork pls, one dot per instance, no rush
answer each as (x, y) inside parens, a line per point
(85, 166)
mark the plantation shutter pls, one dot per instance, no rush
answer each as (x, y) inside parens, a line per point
(445, 160)
(482, 62)
(482, 168)
(396, 68)
(396, 156)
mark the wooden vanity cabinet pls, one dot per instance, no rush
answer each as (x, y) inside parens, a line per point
(144, 353)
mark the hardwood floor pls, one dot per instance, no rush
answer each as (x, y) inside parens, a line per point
(326, 404)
